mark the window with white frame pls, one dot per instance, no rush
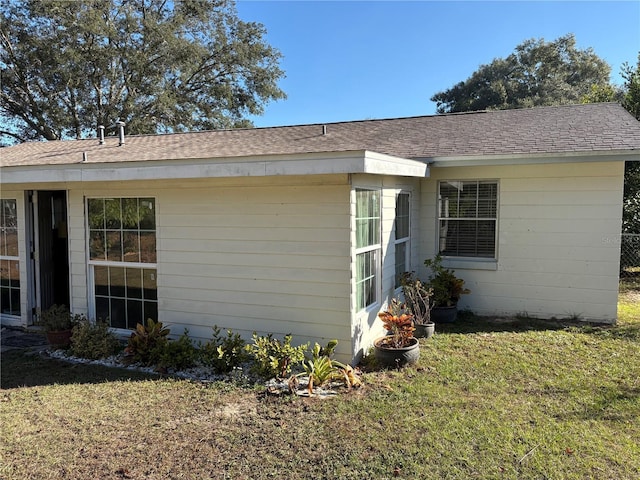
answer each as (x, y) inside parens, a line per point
(122, 259)
(368, 247)
(468, 217)
(402, 231)
(9, 259)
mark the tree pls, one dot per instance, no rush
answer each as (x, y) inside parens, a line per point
(631, 100)
(603, 93)
(537, 73)
(159, 66)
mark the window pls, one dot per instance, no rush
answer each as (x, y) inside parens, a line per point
(9, 264)
(367, 247)
(468, 218)
(122, 259)
(402, 236)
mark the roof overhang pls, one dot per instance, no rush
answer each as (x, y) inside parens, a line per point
(362, 161)
(531, 159)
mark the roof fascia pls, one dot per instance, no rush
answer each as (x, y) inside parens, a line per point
(532, 159)
(296, 164)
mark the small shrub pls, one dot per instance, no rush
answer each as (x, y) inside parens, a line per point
(146, 342)
(58, 318)
(274, 358)
(320, 368)
(176, 354)
(93, 340)
(223, 354)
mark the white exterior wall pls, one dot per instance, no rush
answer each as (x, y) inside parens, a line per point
(558, 240)
(365, 325)
(268, 254)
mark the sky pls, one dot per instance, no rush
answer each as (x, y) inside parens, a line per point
(355, 60)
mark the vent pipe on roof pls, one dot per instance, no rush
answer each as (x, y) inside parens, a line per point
(101, 134)
(120, 124)
(324, 129)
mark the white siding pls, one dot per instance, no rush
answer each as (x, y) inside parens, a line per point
(558, 240)
(269, 254)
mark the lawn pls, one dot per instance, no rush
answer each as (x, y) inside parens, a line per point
(490, 399)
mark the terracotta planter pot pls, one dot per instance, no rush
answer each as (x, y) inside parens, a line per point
(444, 314)
(59, 339)
(424, 330)
(397, 357)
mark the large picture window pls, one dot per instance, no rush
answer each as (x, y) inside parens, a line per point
(122, 259)
(9, 260)
(468, 215)
(367, 247)
(402, 231)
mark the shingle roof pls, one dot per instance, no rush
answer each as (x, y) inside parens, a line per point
(602, 127)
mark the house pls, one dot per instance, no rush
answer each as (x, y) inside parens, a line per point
(305, 229)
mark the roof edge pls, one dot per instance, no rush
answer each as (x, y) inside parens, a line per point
(530, 159)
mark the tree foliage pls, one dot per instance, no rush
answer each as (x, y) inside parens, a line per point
(159, 66)
(631, 205)
(537, 73)
(631, 100)
(603, 93)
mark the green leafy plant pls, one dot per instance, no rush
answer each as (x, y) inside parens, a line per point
(417, 297)
(176, 354)
(94, 340)
(223, 354)
(320, 368)
(58, 318)
(399, 325)
(446, 287)
(146, 342)
(274, 358)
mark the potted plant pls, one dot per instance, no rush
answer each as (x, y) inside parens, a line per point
(447, 290)
(58, 323)
(417, 297)
(399, 347)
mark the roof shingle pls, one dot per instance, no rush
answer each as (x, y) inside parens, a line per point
(603, 127)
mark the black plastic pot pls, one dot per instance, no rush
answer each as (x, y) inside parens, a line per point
(444, 314)
(424, 330)
(397, 357)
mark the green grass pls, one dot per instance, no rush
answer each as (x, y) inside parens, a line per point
(489, 400)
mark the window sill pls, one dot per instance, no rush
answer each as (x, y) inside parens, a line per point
(470, 263)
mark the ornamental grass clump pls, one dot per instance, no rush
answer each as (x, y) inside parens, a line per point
(399, 325)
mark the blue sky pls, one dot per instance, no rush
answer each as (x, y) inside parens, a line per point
(352, 60)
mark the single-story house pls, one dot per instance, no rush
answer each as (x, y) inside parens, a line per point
(305, 229)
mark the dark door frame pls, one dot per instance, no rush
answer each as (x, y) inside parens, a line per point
(48, 237)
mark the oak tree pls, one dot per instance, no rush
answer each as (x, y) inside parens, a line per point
(157, 65)
(537, 73)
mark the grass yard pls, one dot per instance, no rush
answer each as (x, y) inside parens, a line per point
(489, 400)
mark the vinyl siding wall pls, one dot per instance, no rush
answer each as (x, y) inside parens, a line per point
(267, 254)
(558, 239)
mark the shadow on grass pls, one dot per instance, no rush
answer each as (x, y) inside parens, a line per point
(20, 368)
(468, 322)
(608, 403)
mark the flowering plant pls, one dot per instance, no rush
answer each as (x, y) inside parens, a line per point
(399, 324)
